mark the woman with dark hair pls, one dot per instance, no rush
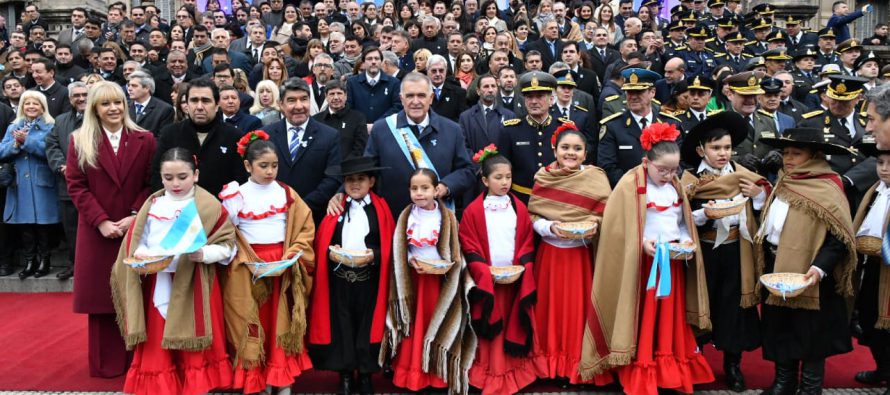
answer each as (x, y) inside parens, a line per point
(285, 30)
(361, 32)
(605, 18)
(585, 13)
(489, 12)
(463, 20)
(466, 69)
(369, 13)
(488, 36)
(413, 29)
(720, 100)
(254, 12)
(406, 15)
(180, 101)
(388, 10)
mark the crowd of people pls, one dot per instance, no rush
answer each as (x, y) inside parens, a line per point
(455, 194)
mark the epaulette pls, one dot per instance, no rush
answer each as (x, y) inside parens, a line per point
(714, 112)
(710, 40)
(680, 48)
(750, 43)
(862, 121)
(669, 115)
(747, 55)
(719, 54)
(613, 97)
(656, 101)
(611, 117)
(512, 122)
(812, 114)
(709, 49)
(764, 112)
(581, 108)
(564, 120)
(863, 114)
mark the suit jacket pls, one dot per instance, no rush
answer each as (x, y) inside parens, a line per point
(619, 148)
(218, 155)
(376, 101)
(451, 101)
(155, 116)
(782, 121)
(585, 123)
(793, 108)
(56, 99)
(663, 90)
(57, 142)
(244, 122)
(66, 36)
(352, 127)
(316, 107)
(547, 57)
(502, 102)
(764, 126)
(480, 131)
(444, 144)
(239, 61)
(320, 149)
(588, 82)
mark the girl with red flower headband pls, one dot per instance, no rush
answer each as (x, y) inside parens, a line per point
(645, 301)
(266, 317)
(566, 206)
(495, 232)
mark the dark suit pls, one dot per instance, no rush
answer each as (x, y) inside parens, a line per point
(56, 99)
(585, 123)
(663, 90)
(376, 101)
(352, 127)
(823, 59)
(588, 83)
(547, 56)
(807, 39)
(57, 142)
(218, 155)
(451, 101)
(436, 45)
(155, 116)
(305, 174)
(503, 102)
(244, 122)
(480, 131)
(619, 149)
(793, 108)
(443, 143)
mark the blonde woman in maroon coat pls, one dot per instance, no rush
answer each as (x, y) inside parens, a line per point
(108, 167)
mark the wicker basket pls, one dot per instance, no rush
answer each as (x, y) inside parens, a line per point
(434, 266)
(148, 265)
(785, 285)
(868, 245)
(351, 258)
(267, 269)
(506, 274)
(576, 230)
(725, 209)
(682, 251)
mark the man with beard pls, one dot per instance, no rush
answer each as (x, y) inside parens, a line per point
(56, 155)
(374, 94)
(203, 134)
(506, 80)
(49, 49)
(322, 71)
(351, 124)
(305, 146)
(66, 71)
(619, 149)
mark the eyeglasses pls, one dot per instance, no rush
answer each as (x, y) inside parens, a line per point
(324, 65)
(664, 172)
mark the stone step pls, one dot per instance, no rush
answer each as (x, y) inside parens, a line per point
(48, 283)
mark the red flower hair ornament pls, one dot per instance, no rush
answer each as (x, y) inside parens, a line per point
(484, 153)
(567, 125)
(248, 138)
(656, 133)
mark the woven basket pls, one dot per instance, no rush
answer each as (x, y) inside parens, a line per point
(683, 252)
(434, 266)
(725, 209)
(351, 258)
(785, 285)
(506, 274)
(148, 265)
(868, 245)
(576, 230)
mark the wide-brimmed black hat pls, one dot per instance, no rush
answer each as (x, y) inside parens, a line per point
(731, 121)
(811, 138)
(870, 148)
(355, 165)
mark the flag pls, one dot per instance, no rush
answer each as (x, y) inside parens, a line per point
(187, 233)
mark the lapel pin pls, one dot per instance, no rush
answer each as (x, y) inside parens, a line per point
(224, 149)
(447, 98)
(343, 126)
(385, 91)
(434, 141)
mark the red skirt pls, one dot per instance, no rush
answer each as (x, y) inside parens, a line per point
(279, 367)
(667, 355)
(564, 277)
(408, 362)
(158, 371)
(496, 372)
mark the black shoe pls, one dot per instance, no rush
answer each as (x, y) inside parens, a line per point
(785, 382)
(44, 267)
(65, 274)
(364, 384)
(387, 370)
(6, 270)
(345, 384)
(30, 268)
(811, 377)
(734, 378)
(870, 377)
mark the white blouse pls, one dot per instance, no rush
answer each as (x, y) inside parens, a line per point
(664, 214)
(423, 232)
(356, 224)
(873, 224)
(259, 211)
(500, 222)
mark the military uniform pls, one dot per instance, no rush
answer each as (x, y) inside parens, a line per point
(619, 149)
(698, 62)
(759, 125)
(837, 134)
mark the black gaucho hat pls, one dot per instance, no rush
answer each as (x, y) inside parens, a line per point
(811, 138)
(730, 121)
(355, 165)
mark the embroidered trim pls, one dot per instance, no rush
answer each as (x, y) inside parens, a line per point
(223, 196)
(496, 205)
(423, 241)
(662, 208)
(158, 217)
(272, 211)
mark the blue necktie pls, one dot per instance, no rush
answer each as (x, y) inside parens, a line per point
(438, 92)
(553, 48)
(138, 109)
(294, 142)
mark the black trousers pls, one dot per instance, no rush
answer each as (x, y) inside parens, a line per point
(7, 241)
(36, 240)
(69, 226)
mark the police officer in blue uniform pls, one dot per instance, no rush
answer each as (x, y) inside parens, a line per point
(526, 141)
(735, 55)
(699, 61)
(564, 108)
(619, 148)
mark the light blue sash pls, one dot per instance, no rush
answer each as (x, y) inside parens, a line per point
(661, 271)
(409, 144)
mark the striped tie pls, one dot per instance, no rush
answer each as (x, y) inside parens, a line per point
(294, 142)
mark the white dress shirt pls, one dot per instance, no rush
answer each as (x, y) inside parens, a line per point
(873, 224)
(500, 223)
(356, 225)
(114, 138)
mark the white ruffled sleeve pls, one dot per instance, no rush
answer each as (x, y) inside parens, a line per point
(232, 200)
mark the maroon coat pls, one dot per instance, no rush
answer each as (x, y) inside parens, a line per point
(113, 190)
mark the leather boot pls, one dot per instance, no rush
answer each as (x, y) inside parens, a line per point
(732, 367)
(880, 374)
(5, 269)
(345, 383)
(30, 268)
(785, 382)
(65, 274)
(364, 384)
(811, 377)
(44, 267)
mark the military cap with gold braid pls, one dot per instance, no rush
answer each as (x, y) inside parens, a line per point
(679, 9)
(636, 79)
(845, 87)
(777, 35)
(776, 54)
(676, 25)
(537, 81)
(761, 23)
(746, 83)
(727, 22)
(689, 16)
(699, 31)
(885, 71)
(716, 3)
(865, 58)
(736, 37)
(649, 3)
(764, 9)
(802, 53)
(849, 44)
(565, 78)
(790, 20)
(826, 33)
(700, 83)
(755, 62)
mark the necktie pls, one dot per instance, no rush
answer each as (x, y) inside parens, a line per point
(230, 120)
(750, 121)
(844, 124)
(553, 48)
(372, 82)
(138, 109)
(603, 53)
(565, 112)
(487, 113)
(438, 92)
(294, 142)
(415, 129)
(643, 122)
(701, 117)
(256, 55)
(794, 41)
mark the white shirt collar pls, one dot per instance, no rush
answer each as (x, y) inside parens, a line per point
(144, 104)
(638, 117)
(375, 78)
(290, 125)
(422, 125)
(883, 189)
(362, 202)
(484, 107)
(697, 114)
(42, 89)
(727, 168)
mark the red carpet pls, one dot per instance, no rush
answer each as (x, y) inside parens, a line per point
(44, 348)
